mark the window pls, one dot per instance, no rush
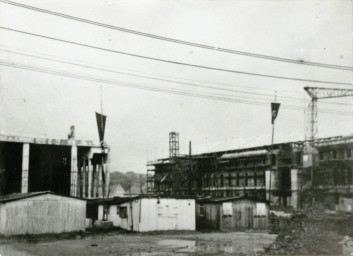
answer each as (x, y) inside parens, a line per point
(123, 212)
(334, 154)
(273, 159)
(321, 155)
(298, 158)
(348, 153)
(202, 209)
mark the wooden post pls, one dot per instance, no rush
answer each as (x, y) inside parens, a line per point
(25, 168)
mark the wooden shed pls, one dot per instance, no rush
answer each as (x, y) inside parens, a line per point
(41, 212)
(232, 213)
(151, 214)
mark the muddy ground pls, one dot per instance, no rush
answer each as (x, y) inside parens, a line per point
(301, 235)
(133, 244)
(324, 235)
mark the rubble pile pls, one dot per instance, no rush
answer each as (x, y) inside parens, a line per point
(302, 235)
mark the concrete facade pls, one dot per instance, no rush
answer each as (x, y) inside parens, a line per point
(63, 166)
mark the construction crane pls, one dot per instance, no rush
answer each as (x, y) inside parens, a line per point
(320, 93)
(310, 154)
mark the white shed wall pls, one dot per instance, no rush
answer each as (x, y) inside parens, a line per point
(149, 215)
(168, 214)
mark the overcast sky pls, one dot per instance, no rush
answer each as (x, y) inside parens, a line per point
(45, 105)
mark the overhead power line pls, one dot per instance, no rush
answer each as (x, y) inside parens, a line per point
(177, 41)
(94, 67)
(152, 88)
(175, 62)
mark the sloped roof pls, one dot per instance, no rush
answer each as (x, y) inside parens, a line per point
(116, 190)
(19, 196)
(227, 199)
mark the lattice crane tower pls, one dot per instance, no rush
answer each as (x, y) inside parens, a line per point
(319, 93)
(173, 144)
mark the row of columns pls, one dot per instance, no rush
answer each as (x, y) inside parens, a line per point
(90, 182)
(87, 183)
(86, 178)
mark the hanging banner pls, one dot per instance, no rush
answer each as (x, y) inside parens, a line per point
(274, 111)
(101, 125)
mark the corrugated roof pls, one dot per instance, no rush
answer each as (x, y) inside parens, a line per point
(226, 199)
(19, 196)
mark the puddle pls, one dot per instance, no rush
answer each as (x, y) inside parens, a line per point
(7, 250)
(211, 247)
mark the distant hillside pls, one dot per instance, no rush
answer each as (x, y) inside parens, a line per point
(128, 180)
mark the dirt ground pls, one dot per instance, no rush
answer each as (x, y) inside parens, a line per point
(133, 244)
(302, 235)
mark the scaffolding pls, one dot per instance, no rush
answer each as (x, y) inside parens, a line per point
(173, 144)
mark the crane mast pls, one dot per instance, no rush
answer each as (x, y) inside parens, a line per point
(315, 94)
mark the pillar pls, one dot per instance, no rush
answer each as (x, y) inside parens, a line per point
(295, 175)
(25, 168)
(73, 183)
(94, 181)
(107, 177)
(83, 177)
(89, 180)
(98, 178)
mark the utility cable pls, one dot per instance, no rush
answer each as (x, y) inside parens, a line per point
(175, 62)
(151, 88)
(92, 66)
(177, 41)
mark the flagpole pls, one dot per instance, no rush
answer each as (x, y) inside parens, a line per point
(102, 146)
(272, 140)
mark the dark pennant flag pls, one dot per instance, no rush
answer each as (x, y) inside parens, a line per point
(274, 111)
(101, 125)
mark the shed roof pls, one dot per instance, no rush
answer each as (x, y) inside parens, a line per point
(227, 199)
(19, 196)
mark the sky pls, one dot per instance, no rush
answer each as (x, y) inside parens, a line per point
(39, 104)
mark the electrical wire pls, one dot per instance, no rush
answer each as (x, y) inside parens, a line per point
(155, 89)
(91, 66)
(175, 62)
(177, 41)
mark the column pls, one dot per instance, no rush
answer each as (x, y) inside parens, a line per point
(98, 180)
(83, 177)
(73, 183)
(89, 173)
(94, 182)
(107, 177)
(25, 168)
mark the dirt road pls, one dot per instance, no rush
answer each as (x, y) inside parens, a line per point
(132, 244)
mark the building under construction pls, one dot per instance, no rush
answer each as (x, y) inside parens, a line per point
(64, 166)
(283, 173)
